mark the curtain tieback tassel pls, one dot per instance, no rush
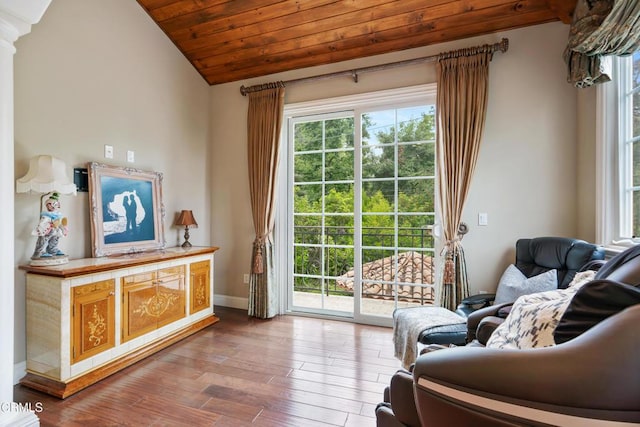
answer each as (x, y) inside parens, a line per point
(449, 272)
(258, 263)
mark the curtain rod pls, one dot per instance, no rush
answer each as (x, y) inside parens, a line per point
(502, 46)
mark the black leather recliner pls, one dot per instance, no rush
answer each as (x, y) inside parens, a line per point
(590, 377)
(533, 256)
(481, 323)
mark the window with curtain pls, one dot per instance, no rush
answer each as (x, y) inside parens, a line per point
(619, 154)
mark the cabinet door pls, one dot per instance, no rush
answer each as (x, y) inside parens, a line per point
(170, 302)
(93, 319)
(151, 300)
(139, 308)
(199, 286)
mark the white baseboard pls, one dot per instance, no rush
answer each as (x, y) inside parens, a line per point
(231, 302)
(24, 418)
(19, 371)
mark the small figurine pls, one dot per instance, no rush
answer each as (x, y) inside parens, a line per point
(52, 225)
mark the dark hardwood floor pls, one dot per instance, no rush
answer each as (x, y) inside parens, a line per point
(288, 371)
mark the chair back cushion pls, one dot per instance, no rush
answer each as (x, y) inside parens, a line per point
(565, 255)
(624, 267)
(616, 287)
(593, 303)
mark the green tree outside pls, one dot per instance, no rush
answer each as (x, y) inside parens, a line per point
(324, 151)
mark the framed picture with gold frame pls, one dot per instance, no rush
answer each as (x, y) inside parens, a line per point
(126, 210)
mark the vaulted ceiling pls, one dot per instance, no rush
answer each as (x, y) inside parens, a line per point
(231, 40)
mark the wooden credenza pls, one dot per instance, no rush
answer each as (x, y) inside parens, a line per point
(92, 317)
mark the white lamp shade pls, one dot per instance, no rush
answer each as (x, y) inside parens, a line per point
(46, 173)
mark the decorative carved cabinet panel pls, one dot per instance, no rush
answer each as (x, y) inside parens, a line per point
(200, 286)
(137, 291)
(95, 316)
(170, 302)
(93, 319)
(152, 300)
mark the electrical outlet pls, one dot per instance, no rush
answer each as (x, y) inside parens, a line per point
(131, 156)
(246, 279)
(108, 151)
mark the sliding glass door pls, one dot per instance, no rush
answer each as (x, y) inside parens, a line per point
(360, 210)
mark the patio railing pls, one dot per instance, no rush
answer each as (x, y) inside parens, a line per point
(410, 274)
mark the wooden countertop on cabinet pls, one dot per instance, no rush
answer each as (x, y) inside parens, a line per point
(80, 266)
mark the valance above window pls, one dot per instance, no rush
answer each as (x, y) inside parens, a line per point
(600, 28)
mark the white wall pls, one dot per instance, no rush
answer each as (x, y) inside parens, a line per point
(586, 141)
(97, 72)
(526, 174)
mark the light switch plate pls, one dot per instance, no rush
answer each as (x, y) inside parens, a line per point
(483, 218)
(131, 156)
(108, 151)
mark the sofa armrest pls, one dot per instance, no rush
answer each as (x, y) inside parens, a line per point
(402, 399)
(474, 318)
(594, 265)
(486, 327)
(385, 416)
(603, 358)
(473, 303)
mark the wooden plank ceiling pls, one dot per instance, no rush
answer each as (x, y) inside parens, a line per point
(231, 40)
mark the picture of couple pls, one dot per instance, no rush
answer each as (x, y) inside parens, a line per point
(131, 208)
(127, 213)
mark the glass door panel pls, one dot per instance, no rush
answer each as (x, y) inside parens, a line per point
(397, 209)
(323, 212)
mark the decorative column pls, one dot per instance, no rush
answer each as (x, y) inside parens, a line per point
(16, 18)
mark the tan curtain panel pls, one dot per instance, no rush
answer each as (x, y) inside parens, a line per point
(600, 28)
(264, 121)
(463, 78)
